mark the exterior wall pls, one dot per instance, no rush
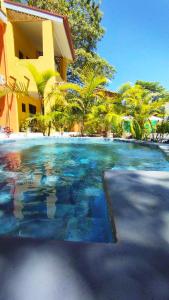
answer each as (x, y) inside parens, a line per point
(11, 107)
(26, 100)
(17, 70)
(2, 62)
(4, 104)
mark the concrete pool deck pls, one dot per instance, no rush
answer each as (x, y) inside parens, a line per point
(135, 268)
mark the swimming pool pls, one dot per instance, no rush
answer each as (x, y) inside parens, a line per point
(52, 187)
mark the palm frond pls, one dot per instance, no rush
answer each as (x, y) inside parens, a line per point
(4, 90)
(41, 78)
(19, 88)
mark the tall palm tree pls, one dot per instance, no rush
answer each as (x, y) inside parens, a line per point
(105, 116)
(41, 80)
(139, 104)
(84, 96)
(78, 98)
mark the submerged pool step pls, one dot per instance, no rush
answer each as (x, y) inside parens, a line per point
(53, 210)
(68, 229)
(88, 230)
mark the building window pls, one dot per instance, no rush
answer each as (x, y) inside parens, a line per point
(23, 107)
(32, 109)
(20, 55)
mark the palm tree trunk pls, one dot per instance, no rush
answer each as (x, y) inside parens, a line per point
(49, 128)
(82, 126)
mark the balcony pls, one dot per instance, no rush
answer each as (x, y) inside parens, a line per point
(34, 44)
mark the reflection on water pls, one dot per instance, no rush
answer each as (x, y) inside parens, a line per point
(54, 190)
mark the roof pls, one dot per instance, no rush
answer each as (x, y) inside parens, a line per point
(44, 14)
(109, 93)
(3, 17)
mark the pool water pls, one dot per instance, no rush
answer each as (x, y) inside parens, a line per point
(52, 188)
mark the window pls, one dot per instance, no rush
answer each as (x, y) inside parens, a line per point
(20, 55)
(32, 109)
(23, 107)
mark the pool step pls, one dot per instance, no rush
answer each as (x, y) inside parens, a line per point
(88, 230)
(53, 210)
(68, 229)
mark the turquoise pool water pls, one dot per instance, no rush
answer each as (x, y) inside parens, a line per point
(52, 188)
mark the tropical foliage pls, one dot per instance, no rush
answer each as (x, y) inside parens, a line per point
(41, 80)
(95, 110)
(106, 116)
(19, 88)
(84, 97)
(162, 131)
(156, 90)
(139, 103)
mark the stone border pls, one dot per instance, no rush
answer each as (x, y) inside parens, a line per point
(110, 211)
(163, 147)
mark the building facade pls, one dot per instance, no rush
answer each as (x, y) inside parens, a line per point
(29, 36)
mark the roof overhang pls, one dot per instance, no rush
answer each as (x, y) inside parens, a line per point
(61, 29)
(3, 17)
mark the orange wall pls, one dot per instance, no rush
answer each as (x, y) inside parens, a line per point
(1, 47)
(8, 105)
(2, 72)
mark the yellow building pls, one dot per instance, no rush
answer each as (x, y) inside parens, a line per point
(38, 37)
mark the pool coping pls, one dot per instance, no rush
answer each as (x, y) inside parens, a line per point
(164, 148)
(161, 146)
(110, 210)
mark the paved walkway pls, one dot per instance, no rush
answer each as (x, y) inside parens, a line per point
(136, 268)
(140, 204)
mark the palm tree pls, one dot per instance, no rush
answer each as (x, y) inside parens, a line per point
(41, 80)
(77, 99)
(106, 116)
(18, 88)
(140, 106)
(84, 96)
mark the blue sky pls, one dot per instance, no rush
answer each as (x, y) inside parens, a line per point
(136, 40)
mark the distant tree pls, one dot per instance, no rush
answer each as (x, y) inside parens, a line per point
(155, 88)
(124, 87)
(151, 86)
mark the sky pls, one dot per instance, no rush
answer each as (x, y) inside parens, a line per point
(136, 41)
